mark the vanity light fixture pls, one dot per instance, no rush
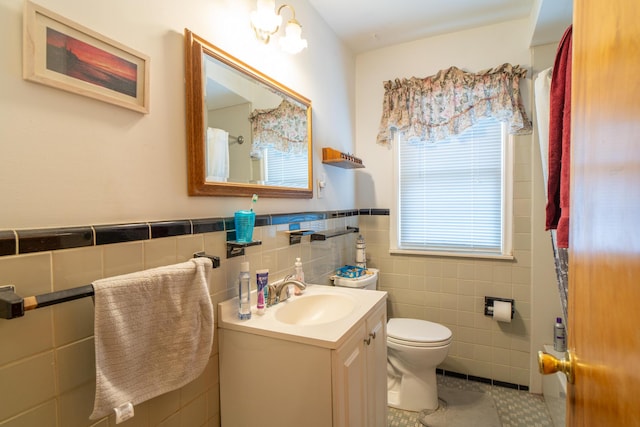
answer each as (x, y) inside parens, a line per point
(266, 22)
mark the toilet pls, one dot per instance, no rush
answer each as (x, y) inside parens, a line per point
(414, 348)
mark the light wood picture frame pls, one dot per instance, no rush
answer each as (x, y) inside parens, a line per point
(63, 54)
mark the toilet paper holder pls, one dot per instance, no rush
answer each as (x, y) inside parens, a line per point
(488, 305)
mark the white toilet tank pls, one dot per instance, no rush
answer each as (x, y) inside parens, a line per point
(367, 281)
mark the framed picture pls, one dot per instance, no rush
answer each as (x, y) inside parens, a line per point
(65, 55)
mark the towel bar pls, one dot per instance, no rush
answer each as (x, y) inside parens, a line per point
(239, 139)
(12, 305)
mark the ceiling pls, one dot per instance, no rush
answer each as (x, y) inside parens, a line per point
(371, 24)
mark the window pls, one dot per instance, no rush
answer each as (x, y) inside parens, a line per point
(286, 169)
(454, 196)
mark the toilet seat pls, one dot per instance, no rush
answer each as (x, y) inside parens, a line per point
(417, 333)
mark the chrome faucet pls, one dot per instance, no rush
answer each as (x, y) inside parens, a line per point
(276, 290)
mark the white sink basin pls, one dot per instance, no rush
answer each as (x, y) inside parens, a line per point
(322, 316)
(315, 309)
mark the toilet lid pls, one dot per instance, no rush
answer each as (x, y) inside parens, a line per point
(417, 331)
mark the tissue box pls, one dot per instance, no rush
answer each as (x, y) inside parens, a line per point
(350, 271)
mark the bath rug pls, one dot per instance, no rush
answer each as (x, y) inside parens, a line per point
(462, 408)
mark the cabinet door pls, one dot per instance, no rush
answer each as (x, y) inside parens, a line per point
(376, 352)
(349, 373)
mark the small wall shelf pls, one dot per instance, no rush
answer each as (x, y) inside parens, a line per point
(327, 234)
(339, 159)
(295, 236)
(235, 248)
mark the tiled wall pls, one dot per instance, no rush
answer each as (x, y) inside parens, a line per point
(451, 291)
(47, 368)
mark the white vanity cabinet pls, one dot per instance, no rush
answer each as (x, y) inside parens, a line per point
(360, 375)
(376, 353)
(280, 379)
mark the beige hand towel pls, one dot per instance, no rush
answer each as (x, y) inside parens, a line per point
(153, 333)
(217, 155)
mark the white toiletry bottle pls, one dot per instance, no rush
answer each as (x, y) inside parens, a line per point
(244, 292)
(559, 336)
(298, 274)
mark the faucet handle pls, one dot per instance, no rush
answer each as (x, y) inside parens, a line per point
(272, 298)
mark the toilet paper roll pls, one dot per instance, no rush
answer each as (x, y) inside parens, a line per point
(502, 311)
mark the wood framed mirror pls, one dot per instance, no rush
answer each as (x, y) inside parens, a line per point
(246, 133)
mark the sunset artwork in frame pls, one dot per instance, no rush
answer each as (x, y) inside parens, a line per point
(63, 54)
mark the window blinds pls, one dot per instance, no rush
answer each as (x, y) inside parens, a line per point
(286, 169)
(451, 192)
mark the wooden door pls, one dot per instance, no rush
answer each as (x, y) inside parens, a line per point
(604, 257)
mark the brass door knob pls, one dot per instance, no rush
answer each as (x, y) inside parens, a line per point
(549, 364)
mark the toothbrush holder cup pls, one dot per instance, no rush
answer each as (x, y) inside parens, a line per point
(244, 222)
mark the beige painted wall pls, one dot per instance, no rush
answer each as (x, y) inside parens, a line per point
(71, 160)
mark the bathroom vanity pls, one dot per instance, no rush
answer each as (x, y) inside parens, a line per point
(318, 359)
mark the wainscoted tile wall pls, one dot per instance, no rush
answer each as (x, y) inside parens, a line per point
(47, 368)
(451, 291)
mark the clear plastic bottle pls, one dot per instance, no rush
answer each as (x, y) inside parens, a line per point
(244, 292)
(298, 274)
(559, 336)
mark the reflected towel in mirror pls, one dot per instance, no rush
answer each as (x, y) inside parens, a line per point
(217, 155)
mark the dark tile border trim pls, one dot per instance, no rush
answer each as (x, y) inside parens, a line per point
(482, 380)
(170, 228)
(51, 239)
(8, 243)
(374, 211)
(16, 242)
(121, 233)
(209, 225)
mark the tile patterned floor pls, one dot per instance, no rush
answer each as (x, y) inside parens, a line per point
(515, 408)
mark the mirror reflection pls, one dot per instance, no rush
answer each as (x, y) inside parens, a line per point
(248, 134)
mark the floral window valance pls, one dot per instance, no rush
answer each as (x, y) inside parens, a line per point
(283, 127)
(435, 107)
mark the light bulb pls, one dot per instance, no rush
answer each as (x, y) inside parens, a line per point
(293, 42)
(264, 19)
